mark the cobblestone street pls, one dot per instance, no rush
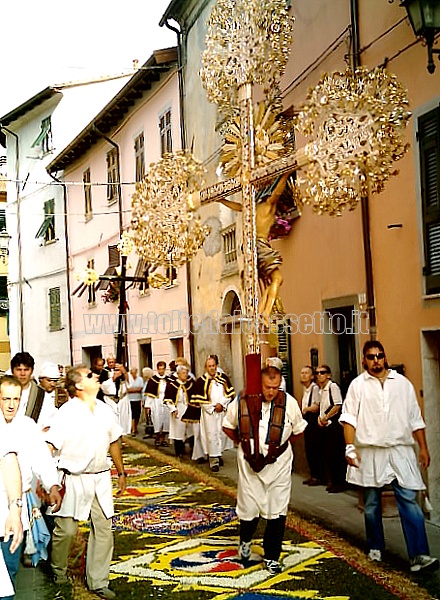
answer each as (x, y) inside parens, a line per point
(176, 533)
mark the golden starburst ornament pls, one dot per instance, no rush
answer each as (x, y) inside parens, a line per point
(165, 227)
(272, 140)
(247, 41)
(356, 121)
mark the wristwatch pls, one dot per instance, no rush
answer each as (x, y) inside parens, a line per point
(17, 501)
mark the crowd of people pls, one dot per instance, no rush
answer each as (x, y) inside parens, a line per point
(55, 455)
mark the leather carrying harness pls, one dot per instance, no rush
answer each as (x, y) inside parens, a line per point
(248, 423)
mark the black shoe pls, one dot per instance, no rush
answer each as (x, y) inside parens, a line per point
(336, 489)
(314, 482)
(221, 462)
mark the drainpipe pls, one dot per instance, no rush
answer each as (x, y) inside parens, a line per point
(115, 145)
(371, 306)
(183, 144)
(66, 238)
(122, 353)
(20, 264)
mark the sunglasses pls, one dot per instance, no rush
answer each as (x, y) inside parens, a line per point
(90, 374)
(321, 372)
(379, 356)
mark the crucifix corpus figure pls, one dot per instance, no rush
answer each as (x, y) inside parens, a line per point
(268, 259)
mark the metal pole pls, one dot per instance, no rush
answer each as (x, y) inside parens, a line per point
(121, 347)
(249, 221)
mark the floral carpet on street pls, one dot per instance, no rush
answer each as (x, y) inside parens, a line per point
(176, 535)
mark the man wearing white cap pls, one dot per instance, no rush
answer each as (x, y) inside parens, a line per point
(48, 377)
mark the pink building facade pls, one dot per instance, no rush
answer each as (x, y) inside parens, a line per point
(100, 168)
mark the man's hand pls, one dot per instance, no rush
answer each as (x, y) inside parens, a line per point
(14, 528)
(424, 458)
(55, 498)
(122, 484)
(218, 407)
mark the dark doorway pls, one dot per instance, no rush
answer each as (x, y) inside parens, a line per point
(341, 325)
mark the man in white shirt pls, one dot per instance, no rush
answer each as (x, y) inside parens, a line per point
(33, 457)
(32, 396)
(115, 396)
(83, 432)
(48, 378)
(135, 384)
(264, 470)
(312, 434)
(381, 419)
(10, 513)
(330, 403)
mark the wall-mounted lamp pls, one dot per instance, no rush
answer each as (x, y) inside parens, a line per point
(4, 245)
(424, 16)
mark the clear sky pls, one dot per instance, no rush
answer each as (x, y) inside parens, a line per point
(44, 42)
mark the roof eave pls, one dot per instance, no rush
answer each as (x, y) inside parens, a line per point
(160, 62)
(29, 105)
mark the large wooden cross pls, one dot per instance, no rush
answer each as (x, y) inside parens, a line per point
(250, 177)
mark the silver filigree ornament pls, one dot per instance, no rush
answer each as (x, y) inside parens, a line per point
(247, 41)
(165, 227)
(356, 122)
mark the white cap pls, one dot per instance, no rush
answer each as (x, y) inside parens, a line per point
(274, 361)
(49, 370)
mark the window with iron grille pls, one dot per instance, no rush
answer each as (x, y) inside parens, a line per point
(171, 274)
(429, 141)
(88, 208)
(47, 228)
(166, 140)
(139, 157)
(2, 219)
(229, 246)
(54, 309)
(113, 183)
(91, 289)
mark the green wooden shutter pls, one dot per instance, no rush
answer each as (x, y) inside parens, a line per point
(429, 139)
(54, 309)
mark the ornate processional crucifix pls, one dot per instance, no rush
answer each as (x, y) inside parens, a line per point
(355, 120)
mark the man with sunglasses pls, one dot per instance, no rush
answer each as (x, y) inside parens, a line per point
(381, 419)
(83, 433)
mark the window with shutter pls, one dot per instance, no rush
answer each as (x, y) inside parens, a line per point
(54, 309)
(113, 184)
(166, 140)
(139, 157)
(429, 140)
(88, 208)
(47, 228)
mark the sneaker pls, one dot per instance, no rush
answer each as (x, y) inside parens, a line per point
(104, 593)
(423, 562)
(375, 555)
(244, 550)
(273, 566)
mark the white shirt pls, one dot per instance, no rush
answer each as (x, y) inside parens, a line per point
(34, 458)
(384, 419)
(137, 382)
(266, 493)
(324, 399)
(82, 438)
(24, 401)
(310, 395)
